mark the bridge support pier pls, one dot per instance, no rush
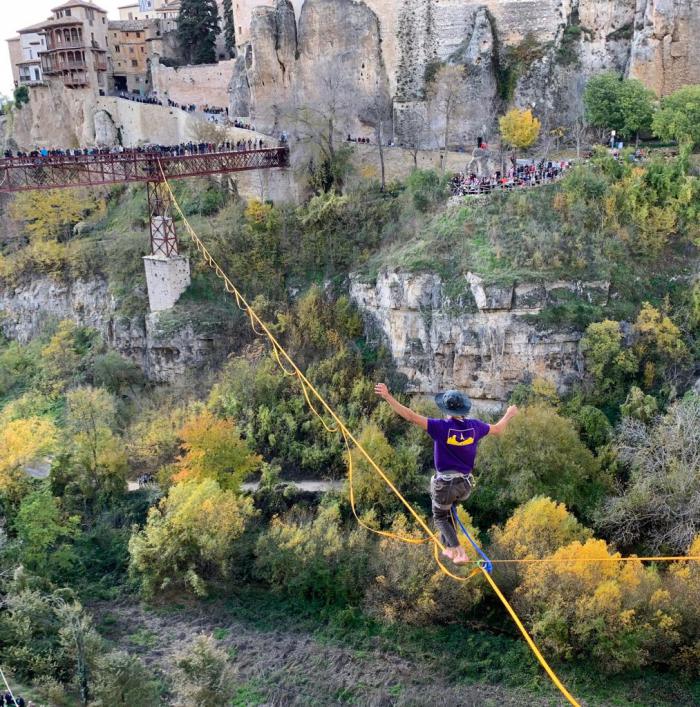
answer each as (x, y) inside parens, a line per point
(167, 272)
(167, 278)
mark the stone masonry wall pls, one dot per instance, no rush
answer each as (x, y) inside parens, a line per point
(198, 85)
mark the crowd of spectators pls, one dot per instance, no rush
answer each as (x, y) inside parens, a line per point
(17, 701)
(519, 175)
(183, 149)
(359, 140)
(187, 107)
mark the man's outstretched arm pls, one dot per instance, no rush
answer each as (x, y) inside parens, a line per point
(407, 414)
(500, 426)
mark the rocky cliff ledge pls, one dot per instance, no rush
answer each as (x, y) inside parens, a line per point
(163, 348)
(480, 341)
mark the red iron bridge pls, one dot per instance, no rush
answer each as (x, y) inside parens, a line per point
(27, 173)
(152, 167)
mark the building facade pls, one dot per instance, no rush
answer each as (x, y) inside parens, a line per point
(76, 45)
(128, 52)
(15, 50)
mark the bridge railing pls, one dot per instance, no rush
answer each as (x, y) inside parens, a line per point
(59, 171)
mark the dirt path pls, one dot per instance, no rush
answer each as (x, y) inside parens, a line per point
(295, 669)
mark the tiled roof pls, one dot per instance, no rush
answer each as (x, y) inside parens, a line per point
(79, 3)
(129, 25)
(33, 28)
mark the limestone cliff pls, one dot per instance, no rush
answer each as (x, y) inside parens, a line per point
(164, 351)
(481, 342)
(394, 42)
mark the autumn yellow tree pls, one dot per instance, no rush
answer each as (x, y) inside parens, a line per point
(51, 214)
(59, 360)
(519, 128)
(213, 449)
(189, 537)
(683, 584)
(584, 602)
(536, 529)
(659, 345)
(22, 442)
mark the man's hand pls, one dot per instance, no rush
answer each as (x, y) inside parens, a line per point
(500, 426)
(381, 390)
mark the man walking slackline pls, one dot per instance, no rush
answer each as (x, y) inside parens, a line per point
(456, 439)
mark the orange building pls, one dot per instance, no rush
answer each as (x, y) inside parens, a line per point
(128, 50)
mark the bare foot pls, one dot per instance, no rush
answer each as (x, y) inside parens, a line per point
(460, 557)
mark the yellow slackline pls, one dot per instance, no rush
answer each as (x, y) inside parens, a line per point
(279, 352)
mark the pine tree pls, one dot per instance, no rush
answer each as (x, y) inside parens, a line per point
(198, 26)
(229, 27)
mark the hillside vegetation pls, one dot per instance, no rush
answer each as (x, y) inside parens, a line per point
(610, 468)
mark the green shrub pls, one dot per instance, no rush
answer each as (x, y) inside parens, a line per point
(203, 674)
(122, 679)
(314, 557)
(540, 454)
(188, 541)
(407, 587)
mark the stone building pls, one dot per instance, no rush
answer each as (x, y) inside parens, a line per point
(144, 10)
(24, 55)
(15, 50)
(128, 55)
(76, 45)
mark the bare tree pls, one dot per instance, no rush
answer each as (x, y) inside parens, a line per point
(205, 131)
(415, 129)
(660, 506)
(377, 114)
(578, 130)
(447, 96)
(320, 120)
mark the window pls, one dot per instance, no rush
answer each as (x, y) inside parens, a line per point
(117, 49)
(138, 35)
(131, 50)
(142, 50)
(103, 19)
(131, 15)
(68, 13)
(134, 62)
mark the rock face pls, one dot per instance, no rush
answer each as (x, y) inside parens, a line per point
(332, 59)
(164, 352)
(479, 342)
(665, 52)
(393, 43)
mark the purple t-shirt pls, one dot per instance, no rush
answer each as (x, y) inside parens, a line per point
(456, 441)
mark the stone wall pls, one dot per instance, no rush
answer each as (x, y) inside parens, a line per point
(478, 341)
(198, 85)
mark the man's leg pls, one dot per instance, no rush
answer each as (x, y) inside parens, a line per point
(461, 490)
(441, 496)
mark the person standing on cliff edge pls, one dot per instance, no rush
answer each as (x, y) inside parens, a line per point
(456, 439)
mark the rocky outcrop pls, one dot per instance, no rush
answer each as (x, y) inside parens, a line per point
(332, 61)
(479, 341)
(665, 52)
(397, 42)
(163, 346)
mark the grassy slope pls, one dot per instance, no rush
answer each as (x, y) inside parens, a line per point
(313, 654)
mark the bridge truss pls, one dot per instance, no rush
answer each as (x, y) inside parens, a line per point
(72, 171)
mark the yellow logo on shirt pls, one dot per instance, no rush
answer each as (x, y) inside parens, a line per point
(460, 438)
